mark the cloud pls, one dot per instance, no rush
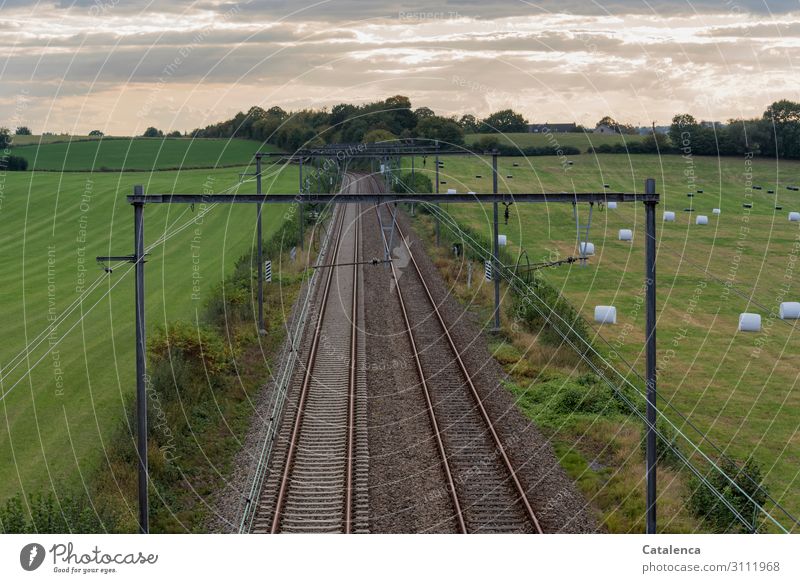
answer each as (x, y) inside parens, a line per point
(557, 60)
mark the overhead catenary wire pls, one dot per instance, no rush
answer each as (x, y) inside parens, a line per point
(703, 436)
(608, 366)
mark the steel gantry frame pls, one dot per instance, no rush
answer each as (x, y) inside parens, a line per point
(649, 198)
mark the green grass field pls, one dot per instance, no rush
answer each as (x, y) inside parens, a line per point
(739, 387)
(578, 140)
(56, 420)
(143, 154)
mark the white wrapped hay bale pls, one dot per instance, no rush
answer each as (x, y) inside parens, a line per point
(625, 235)
(790, 310)
(701, 220)
(749, 322)
(605, 314)
(612, 205)
(794, 217)
(587, 248)
(669, 216)
(502, 240)
(452, 191)
(716, 211)
(471, 192)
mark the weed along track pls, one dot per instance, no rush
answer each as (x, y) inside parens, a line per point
(317, 482)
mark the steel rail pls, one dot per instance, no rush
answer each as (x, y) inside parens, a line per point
(437, 432)
(351, 397)
(523, 497)
(298, 420)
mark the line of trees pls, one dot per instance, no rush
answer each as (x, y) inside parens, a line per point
(775, 134)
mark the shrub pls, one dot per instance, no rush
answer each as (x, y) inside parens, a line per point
(416, 183)
(48, 514)
(8, 162)
(706, 505)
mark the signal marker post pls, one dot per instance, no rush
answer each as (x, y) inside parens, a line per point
(262, 329)
(495, 249)
(437, 192)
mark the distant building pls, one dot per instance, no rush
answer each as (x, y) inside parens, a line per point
(604, 129)
(553, 128)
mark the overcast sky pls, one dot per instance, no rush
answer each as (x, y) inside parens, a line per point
(119, 66)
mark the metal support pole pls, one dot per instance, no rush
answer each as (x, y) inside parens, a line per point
(300, 206)
(650, 336)
(141, 366)
(438, 228)
(495, 250)
(413, 182)
(261, 327)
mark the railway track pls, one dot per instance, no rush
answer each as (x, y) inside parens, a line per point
(318, 476)
(486, 493)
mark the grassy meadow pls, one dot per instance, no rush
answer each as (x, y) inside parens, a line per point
(740, 387)
(57, 419)
(142, 154)
(578, 140)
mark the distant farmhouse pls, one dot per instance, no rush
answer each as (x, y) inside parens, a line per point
(552, 128)
(604, 129)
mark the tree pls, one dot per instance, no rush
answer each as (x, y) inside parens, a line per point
(152, 132)
(276, 111)
(506, 120)
(423, 113)
(486, 143)
(683, 125)
(469, 123)
(5, 138)
(379, 135)
(782, 120)
(23, 131)
(175, 134)
(96, 133)
(443, 129)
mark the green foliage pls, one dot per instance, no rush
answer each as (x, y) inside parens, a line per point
(417, 182)
(469, 123)
(486, 143)
(504, 121)
(445, 130)
(373, 136)
(560, 399)
(44, 514)
(23, 131)
(152, 132)
(715, 513)
(96, 133)
(5, 138)
(8, 162)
